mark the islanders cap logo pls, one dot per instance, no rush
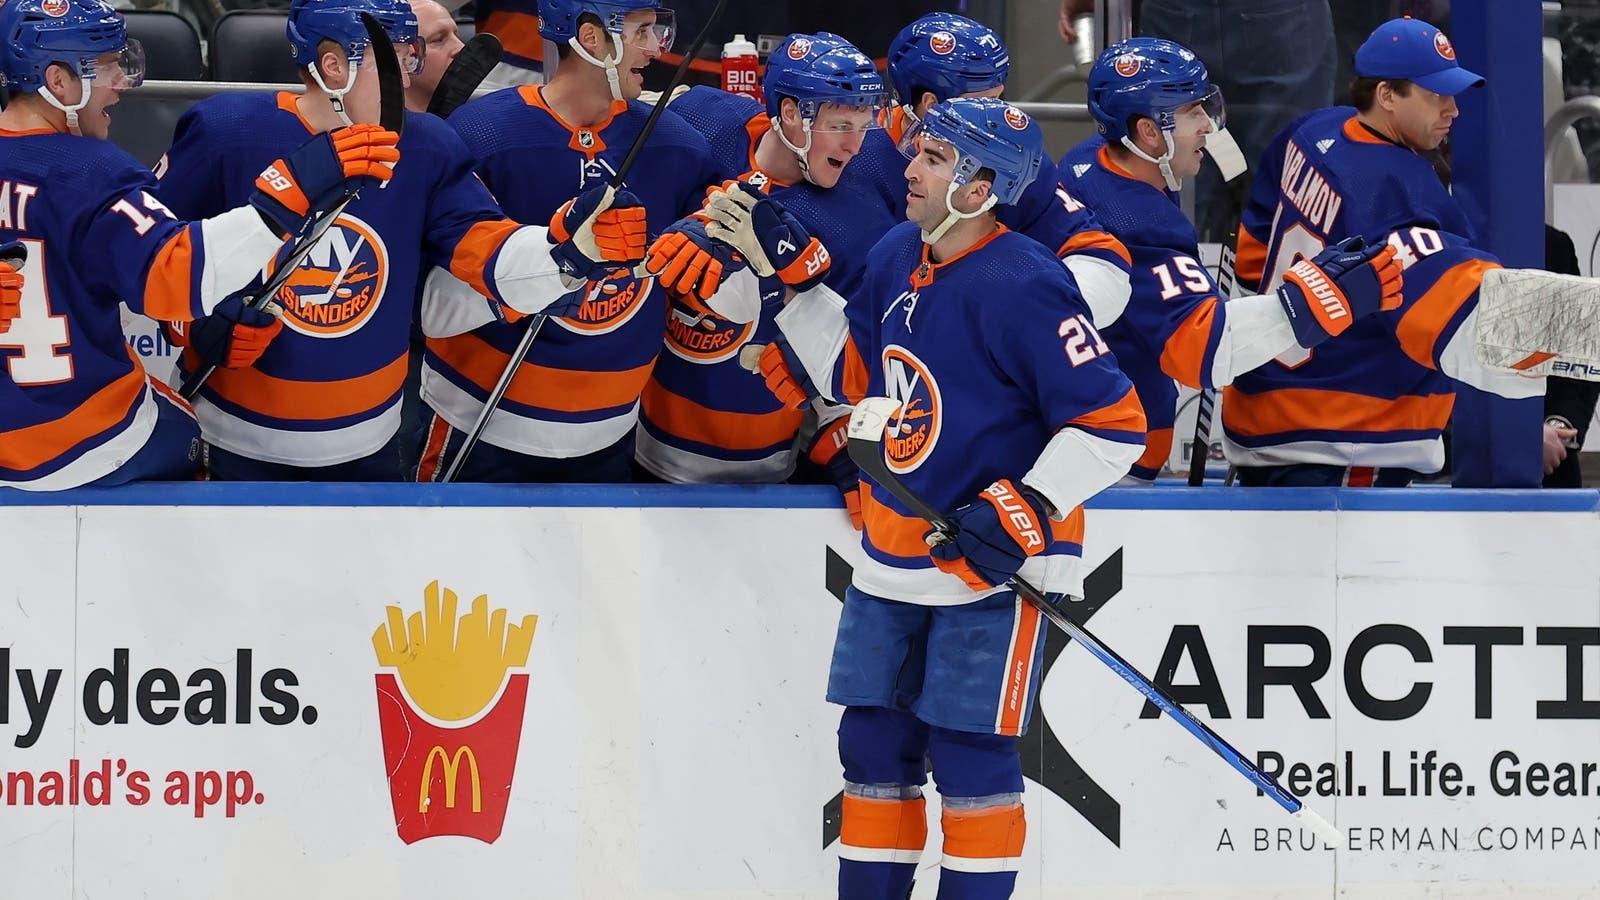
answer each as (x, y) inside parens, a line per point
(339, 284)
(450, 708)
(609, 303)
(55, 9)
(914, 431)
(942, 43)
(799, 47)
(1442, 45)
(1127, 65)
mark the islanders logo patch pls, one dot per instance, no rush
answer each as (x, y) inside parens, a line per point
(799, 47)
(942, 43)
(914, 431)
(704, 339)
(339, 284)
(1127, 65)
(609, 303)
(1442, 45)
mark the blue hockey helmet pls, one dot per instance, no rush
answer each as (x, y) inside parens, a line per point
(34, 34)
(986, 133)
(559, 21)
(813, 69)
(947, 54)
(1151, 78)
(313, 21)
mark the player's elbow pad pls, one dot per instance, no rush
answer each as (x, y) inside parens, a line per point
(1076, 465)
(1105, 287)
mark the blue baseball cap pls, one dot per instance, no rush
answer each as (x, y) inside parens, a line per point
(1415, 51)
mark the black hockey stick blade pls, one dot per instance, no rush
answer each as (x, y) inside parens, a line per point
(468, 70)
(391, 116)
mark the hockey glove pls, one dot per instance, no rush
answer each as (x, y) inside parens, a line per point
(294, 189)
(769, 236)
(828, 450)
(234, 335)
(786, 378)
(1323, 296)
(688, 262)
(12, 255)
(598, 231)
(999, 531)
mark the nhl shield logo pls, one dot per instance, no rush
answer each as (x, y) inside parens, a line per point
(586, 139)
(1127, 65)
(799, 47)
(1442, 45)
(54, 8)
(942, 43)
(1016, 118)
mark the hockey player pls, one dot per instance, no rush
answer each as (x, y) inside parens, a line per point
(322, 403)
(1154, 107)
(1013, 413)
(1369, 408)
(76, 406)
(569, 414)
(703, 418)
(441, 41)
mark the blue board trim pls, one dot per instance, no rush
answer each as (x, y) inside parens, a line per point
(1416, 499)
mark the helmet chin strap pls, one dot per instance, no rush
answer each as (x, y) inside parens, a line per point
(953, 215)
(84, 85)
(609, 64)
(336, 97)
(801, 154)
(1164, 163)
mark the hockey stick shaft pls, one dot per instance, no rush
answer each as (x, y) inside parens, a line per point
(865, 438)
(536, 322)
(392, 117)
(1200, 446)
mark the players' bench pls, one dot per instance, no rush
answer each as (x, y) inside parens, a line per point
(250, 45)
(143, 125)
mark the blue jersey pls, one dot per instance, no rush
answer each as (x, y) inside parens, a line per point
(74, 399)
(990, 354)
(704, 418)
(577, 391)
(1380, 394)
(1173, 322)
(327, 389)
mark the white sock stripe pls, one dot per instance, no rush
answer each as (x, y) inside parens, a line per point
(981, 866)
(878, 854)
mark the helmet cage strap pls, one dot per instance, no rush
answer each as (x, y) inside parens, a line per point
(85, 84)
(801, 154)
(1164, 163)
(608, 64)
(356, 56)
(966, 167)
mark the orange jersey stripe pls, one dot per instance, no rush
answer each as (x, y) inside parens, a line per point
(1300, 409)
(1014, 695)
(1250, 258)
(1421, 325)
(26, 448)
(901, 535)
(475, 250)
(996, 833)
(1157, 447)
(883, 824)
(1127, 414)
(1095, 240)
(539, 386)
(282, 398)
(1184, 356)
(518, 33)
(728, 430)
(167, 285)
(855, 379)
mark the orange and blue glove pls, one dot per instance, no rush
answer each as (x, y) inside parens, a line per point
(829, 451)
(296, 188)
(1324, 295)
(593, 236)
(12, 255)
(233, 335)
(1006, 525)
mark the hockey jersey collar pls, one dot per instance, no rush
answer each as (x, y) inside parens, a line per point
(928, 270)
(1360, 132)
(585, 139)
(286, 102)
(29, 132)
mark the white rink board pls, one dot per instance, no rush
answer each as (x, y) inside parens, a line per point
(674, 742)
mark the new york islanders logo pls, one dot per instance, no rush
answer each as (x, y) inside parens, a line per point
(339, 284)
(704, 339)
(942, 43)
(55, 9)
(914, 432)
(1016, 118)
(1442, 45)
(1127, 65)
(609, 303)
(799, 47)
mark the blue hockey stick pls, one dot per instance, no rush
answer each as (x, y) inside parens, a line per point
(867, 427)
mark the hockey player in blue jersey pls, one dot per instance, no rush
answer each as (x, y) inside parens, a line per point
(322, 402)
(1155, 106)
(1370, 407)
(76, 406)
(703, 418)
(1013, 413)
(570, 411)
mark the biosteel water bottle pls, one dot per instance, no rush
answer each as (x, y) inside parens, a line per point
(741, 67)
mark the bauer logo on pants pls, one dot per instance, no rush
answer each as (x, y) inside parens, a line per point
(339, 284)
(450, 708)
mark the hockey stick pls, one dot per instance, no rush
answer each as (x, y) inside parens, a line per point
(867, 426)
(1200, 446)
(471, 66)
(392, 116)
(536, 321)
